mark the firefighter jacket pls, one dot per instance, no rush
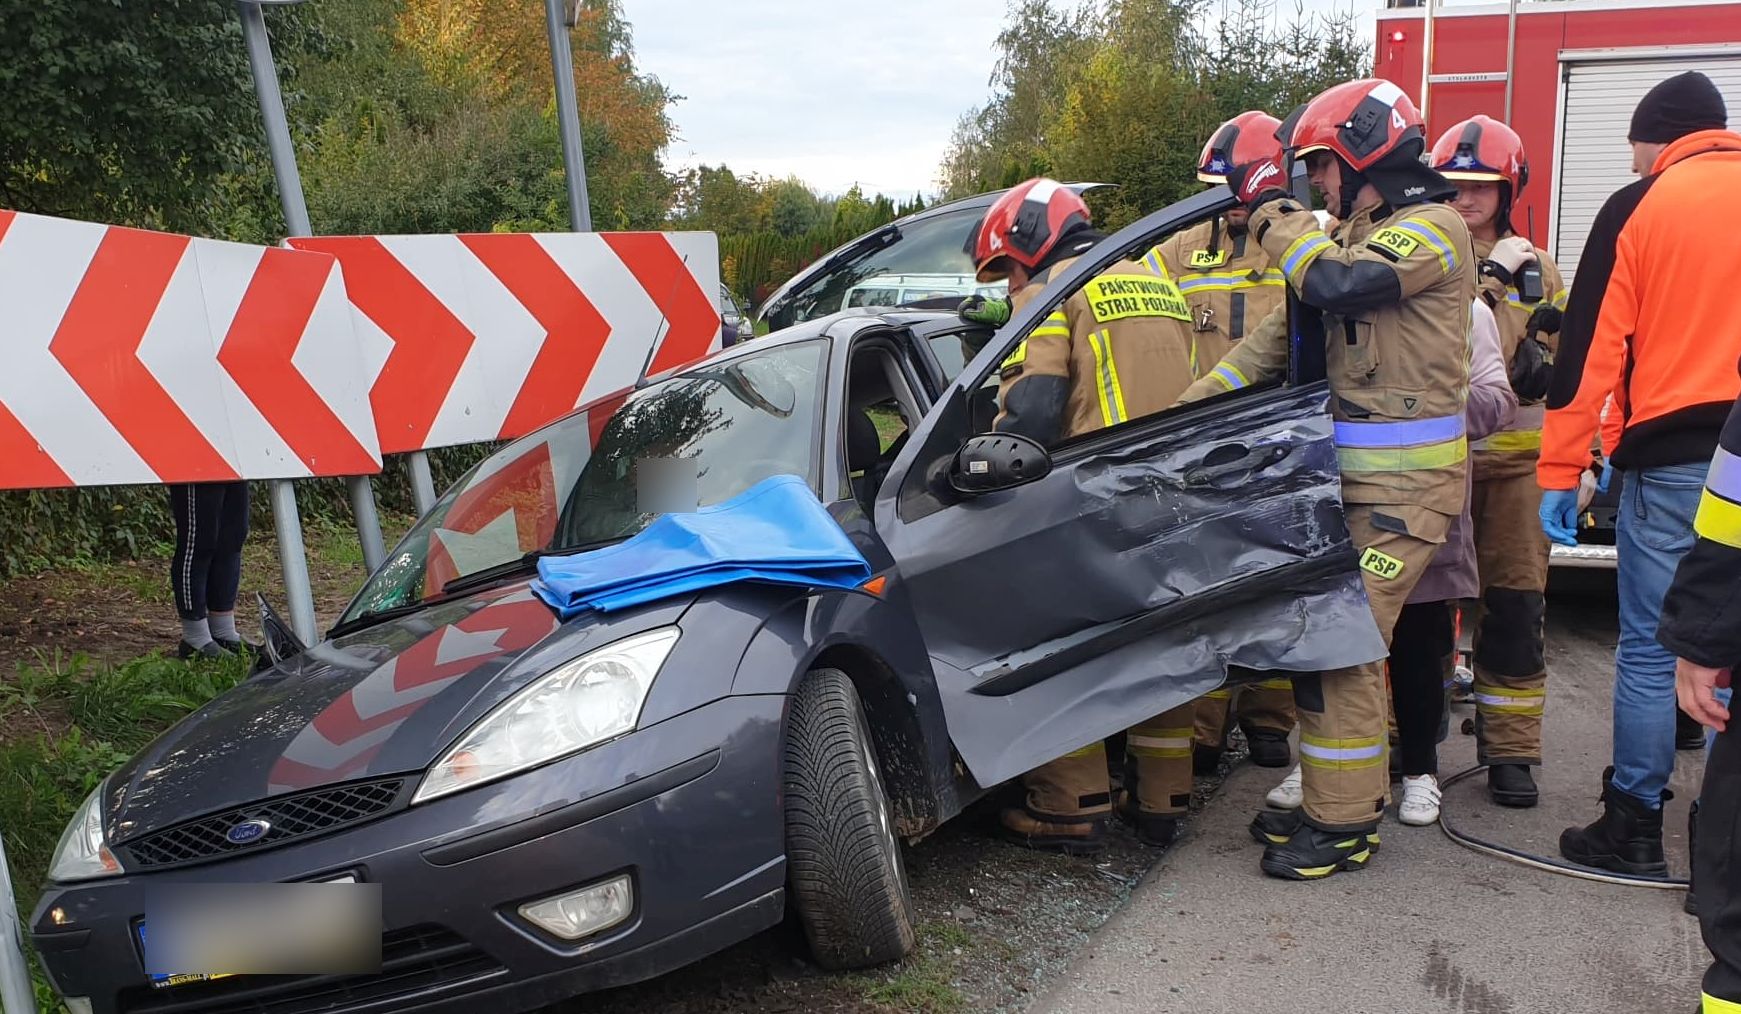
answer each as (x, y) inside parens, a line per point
(1513, 450)
(1396, 288)
(1117, 350)
(1228, 280)
(1653, 319)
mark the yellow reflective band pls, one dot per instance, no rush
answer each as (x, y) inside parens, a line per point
(1403, 459)
(1718, 520)
(1193, 363)
(1559, 299)
(1511, 440)
(1230, 376)
(1490, 703)
(1229, 281)
(1112, 410)
(1208, 258)
(1016, 358)
(1341, 754)
(1302, 252)
(1382, 565)
(1219, 695)
(1171, 743)
(1153, 261)
(1284, 683)
(1434, 237)
(1713, 1005)
(1050, 331)
(1088, 751)
(1117, 297)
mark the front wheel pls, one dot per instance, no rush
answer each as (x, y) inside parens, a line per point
(848, 883)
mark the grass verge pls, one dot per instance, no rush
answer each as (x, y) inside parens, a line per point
(81, 721)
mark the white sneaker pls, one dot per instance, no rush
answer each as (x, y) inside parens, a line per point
(1288, 795)
(1420, 801)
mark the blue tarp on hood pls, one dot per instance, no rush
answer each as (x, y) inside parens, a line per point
(775, 531)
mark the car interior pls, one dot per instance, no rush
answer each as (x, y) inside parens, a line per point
(876, 386)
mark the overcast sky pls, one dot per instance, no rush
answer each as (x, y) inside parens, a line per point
(834, 93)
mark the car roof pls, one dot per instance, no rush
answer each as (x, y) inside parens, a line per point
(799, 280)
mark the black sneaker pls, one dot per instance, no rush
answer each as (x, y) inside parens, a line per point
(240, 646)
(210, 649)
(1314, 854)
(1511, 785)
(1627, 838)
(1275, 827)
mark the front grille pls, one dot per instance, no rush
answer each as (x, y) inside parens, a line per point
(416, 960)
(290, 818)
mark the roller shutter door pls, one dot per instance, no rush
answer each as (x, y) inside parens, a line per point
(1595, 160)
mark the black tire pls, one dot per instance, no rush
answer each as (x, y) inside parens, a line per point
(849, 885)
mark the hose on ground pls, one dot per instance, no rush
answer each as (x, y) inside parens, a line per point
(1542, 862)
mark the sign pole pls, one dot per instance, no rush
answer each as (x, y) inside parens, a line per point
(422, 482)
(557, 22)
(296, 220)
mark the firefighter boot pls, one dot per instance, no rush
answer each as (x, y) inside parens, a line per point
(1511, 785)
(1066, 806)
(1158, 782)
(1627, 838)
(1211, 738)
(1275, 827)
(1312, 853)
(1266, 716)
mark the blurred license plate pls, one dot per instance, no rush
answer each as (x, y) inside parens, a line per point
(162, 980)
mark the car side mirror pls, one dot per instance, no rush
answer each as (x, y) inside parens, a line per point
(995, 461)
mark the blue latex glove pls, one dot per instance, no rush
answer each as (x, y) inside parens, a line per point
(1607, 474)
(1559, 516)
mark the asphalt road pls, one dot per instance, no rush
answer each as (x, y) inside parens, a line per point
(1430, 927)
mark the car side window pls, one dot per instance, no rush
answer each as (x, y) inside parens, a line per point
(930, 249)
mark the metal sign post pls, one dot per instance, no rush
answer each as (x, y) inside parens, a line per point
(558, 19)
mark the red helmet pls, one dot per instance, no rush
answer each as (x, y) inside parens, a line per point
(1024, 224)
(1482, 148)
(1360, 121)
(1248, 137)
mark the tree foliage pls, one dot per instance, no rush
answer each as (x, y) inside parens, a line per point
(1126, 92)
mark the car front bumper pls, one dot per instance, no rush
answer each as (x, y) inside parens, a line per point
(690, 809)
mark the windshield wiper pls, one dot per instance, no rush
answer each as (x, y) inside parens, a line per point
(524, 564)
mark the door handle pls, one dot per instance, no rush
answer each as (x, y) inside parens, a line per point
(1234, 459)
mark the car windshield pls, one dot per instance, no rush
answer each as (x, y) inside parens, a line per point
(603, 475)
(929, 253)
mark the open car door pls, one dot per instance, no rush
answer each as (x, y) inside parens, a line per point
(1128, 568)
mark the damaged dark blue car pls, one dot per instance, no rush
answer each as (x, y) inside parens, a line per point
(553, 806)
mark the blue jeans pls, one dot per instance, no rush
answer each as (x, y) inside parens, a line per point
(1654, 530)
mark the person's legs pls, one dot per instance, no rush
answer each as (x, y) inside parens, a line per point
(1417, 664)
(1655, 529)
(1266, 716)
(196, 510)
(1066, 804)
(224, 573)
(1510, 671)
(1160, 754)
(1211, 730)
(1717, 869)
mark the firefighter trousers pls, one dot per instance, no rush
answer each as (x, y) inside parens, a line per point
(1266, 704)
(1717, 871)
(1076, 787)
(1510, 671)
(1343, 712)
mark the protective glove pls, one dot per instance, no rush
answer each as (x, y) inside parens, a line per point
(1607, 474)
(1511, 253)
(1559, 516)
(1253, 183)
(1545, 319)
(1531, 369)
(980, 310)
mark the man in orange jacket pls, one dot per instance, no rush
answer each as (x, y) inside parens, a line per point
(1652, 318)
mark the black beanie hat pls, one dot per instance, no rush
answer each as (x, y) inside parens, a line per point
(1682, 105)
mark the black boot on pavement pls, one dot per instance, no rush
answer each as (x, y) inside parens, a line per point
(1205, 760)
(1073, 836)
(1511, 785)
(1157, 829)
(1275, 827)
(1269, 748)
(1627, 838)
(1689, 734)
(1314, 854)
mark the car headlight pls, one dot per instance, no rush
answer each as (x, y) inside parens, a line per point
(82, 853)
(576, 705)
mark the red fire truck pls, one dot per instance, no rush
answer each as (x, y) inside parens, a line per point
(1566, 74)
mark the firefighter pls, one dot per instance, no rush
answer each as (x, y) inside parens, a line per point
(1231, 284)
(1393, 292)
(1092, 363)
(1485, 160)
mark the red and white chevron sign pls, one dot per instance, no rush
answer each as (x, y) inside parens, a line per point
(144, 357)
(487, 336)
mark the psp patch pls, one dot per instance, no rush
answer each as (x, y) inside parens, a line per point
(1116, 297)
(1208, 258)
(1393, 243)
(1381, 565)
(1016, 358)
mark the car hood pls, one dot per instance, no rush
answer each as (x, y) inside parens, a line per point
(383, 700)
